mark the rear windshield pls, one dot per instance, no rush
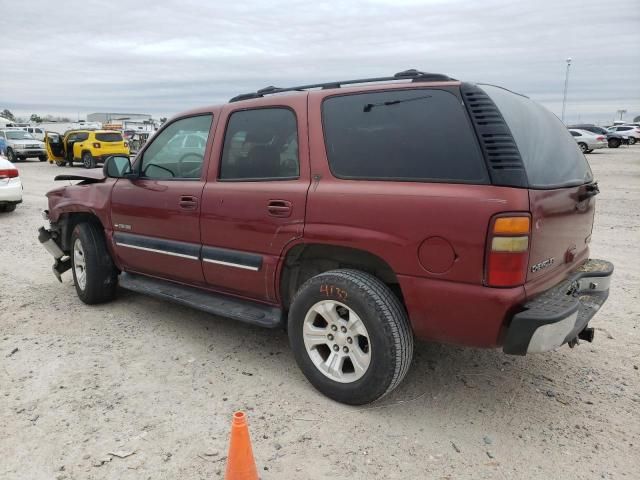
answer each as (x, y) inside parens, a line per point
(405, 135)
(549, 152)
(109, 137)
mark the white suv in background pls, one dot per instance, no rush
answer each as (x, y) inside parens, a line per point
(628, 132)
(36, 132)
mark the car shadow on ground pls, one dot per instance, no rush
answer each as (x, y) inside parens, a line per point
(442, 377)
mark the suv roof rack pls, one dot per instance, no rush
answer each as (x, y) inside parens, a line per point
(411, 74)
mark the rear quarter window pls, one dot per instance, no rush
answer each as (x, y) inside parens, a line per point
(549, 153)
(402, 135)
(109, 137)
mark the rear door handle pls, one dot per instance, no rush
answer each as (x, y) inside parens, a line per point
(188, 202)
(279, 208)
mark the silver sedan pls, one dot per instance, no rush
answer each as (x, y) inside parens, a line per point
(588, 141)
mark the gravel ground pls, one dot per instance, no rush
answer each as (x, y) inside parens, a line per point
(79, 384)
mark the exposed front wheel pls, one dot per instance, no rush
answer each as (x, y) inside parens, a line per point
(42, 158)
(632, 140)
(583, 147)
(614, 143)
(94, 274)
(350, 336)
(11, 156)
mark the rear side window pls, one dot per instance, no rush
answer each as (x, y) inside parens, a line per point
(404, 135)
(109, 137)
(261, 144)
(551, 157)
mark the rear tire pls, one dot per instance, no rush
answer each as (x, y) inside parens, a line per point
(350, 336)
(9, 207)
(583, 147)
(94, 273)
(88, 161)
(632, 140)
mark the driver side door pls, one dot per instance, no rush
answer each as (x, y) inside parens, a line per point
(156, 216)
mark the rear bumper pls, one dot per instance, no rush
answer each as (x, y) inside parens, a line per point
(10, 190)
(557, 316)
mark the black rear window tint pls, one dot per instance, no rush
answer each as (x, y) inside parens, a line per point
(550, 154)
(405, 135)
(109, 137)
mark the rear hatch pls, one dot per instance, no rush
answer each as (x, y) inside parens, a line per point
(561, 188)
(110, 142)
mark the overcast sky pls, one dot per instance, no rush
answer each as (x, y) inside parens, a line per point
(162, 57)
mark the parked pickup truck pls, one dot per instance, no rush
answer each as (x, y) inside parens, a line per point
(358, 215)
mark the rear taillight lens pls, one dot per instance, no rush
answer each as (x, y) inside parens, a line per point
(508, 250)
(96, 145)
(600, 138)
(637, 129)
(9, 173)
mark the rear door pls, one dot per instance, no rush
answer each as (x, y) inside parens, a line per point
(156, 217)
(254, 203)
(561, 187)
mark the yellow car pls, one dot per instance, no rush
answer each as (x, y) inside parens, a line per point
(87, 146)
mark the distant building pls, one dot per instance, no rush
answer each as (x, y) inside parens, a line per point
(104, 117)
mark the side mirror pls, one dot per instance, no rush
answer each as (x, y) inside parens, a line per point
(117, 166)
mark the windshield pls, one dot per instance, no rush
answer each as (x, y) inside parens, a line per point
(19, 135)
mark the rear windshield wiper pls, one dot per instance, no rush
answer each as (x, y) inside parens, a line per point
(591, 191)
(369, 106)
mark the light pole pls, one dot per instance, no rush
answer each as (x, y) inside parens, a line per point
(621, 112)
(566, 84)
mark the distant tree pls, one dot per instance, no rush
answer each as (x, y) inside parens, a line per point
(6, 113)
(637, 119)
(162, 120)
(35, 118)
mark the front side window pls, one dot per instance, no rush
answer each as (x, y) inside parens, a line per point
(178, 151)
(261, 144)
(575, 134)
(402, 135)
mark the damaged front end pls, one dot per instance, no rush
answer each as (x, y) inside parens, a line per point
(51, 241)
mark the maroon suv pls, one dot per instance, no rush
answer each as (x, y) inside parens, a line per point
(357, 214)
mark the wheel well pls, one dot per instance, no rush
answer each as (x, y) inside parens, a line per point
(308, 260)
(69, 221)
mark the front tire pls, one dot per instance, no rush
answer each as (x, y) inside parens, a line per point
(94, 274)
(88, 161)
(350, 336)
(614, 143)
(632, 140)
(11, 156)
(42, 158)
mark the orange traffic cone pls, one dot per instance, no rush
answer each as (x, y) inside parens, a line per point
(240, 462)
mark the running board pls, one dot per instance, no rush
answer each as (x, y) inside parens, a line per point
(216, 304)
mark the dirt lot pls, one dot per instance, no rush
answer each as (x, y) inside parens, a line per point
(80, 383)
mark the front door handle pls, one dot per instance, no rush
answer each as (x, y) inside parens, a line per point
(188, 202)
(279, 208)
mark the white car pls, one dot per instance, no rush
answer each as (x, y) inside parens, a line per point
(628, 132)
(10, 186)
(588, 141)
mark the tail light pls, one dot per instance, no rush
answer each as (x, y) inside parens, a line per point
(637, 129)
(508, 251)
(96, 145)
(8, 173)
(600, 138)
